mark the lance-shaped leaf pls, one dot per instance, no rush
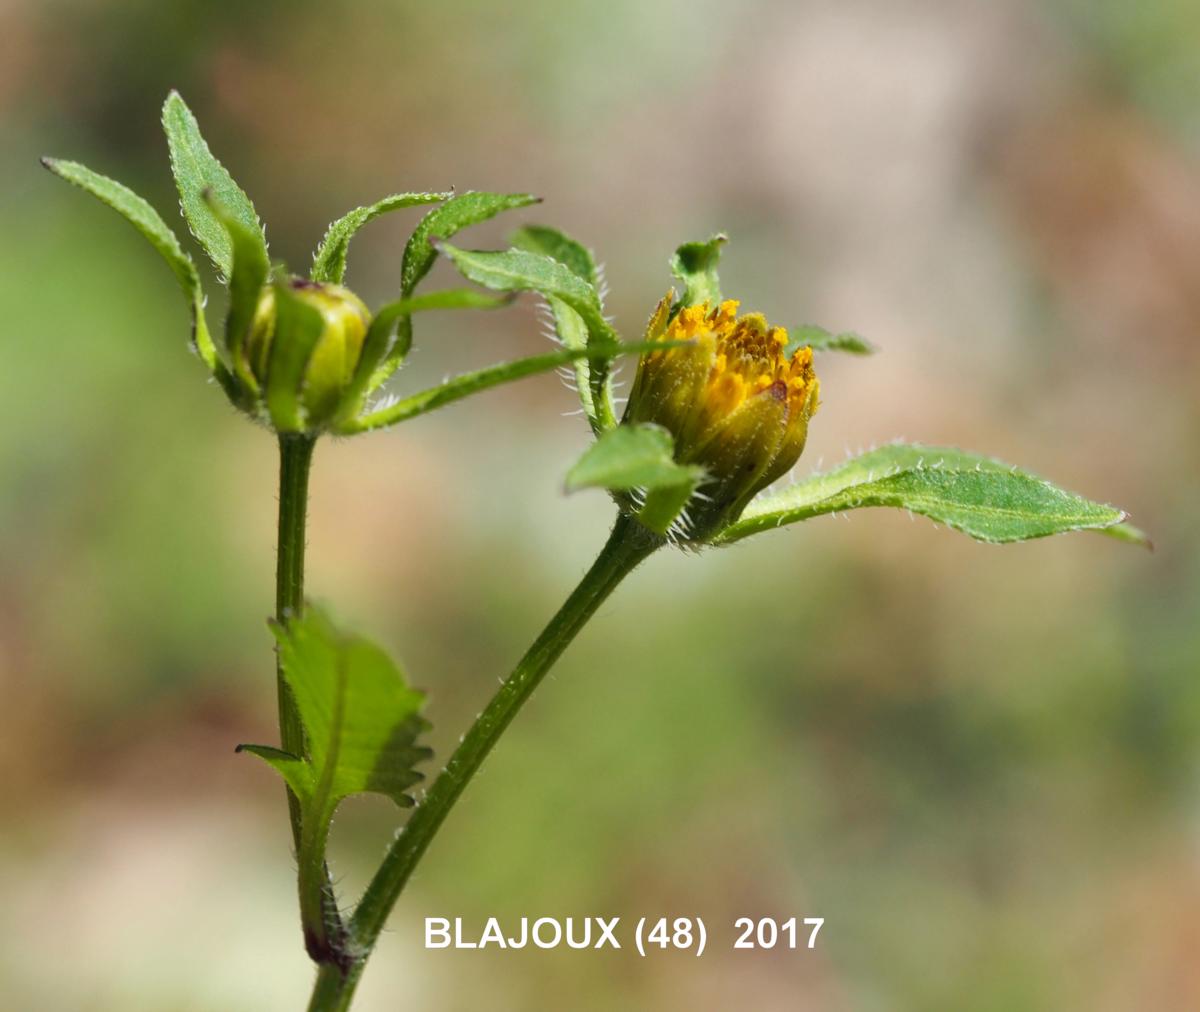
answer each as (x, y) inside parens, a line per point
(979, 496)
(695, 264)
(484, 379)
(379, 344)
(298, 327)
(455, 214)
(149, 223)
(639, 459)
(450, 218)
(568, 324)
(819, 339)
(558, 246)
(197, 171)
(248, 275)
(329, 261)
(518, 270)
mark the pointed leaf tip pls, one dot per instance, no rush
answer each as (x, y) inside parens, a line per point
(978, 496)
(195, 170)
(695, 264)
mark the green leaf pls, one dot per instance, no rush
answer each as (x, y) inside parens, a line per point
(984, 498)
(573, 333)
(554, 244)
(361, 724)
(196, 170)
(149, 223)
(378, 346)
(298, 326)
(819, 339)
(329, 261)
(247, 277)
(639, 458)
(442, 222)
(517, 270)
(630, 457)
(484, 379)
(568, 324)
(695, 264)
(361, 719)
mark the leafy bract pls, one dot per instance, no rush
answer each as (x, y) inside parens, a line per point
(464, 385)
(819, 339)
(558, 246)
(442, 222)
(695, 264)
(197, 171)
(568, 324)
(981, 497)
(361, 719)
(298, 327)
(639, 458)
(630, 457)
(248, 274)
(384, 345)
(517, 270)
(329, 261)
(149, 223)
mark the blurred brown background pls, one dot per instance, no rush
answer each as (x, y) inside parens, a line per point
(979, 765)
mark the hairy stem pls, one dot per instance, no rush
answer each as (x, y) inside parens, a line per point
(295, 462)
(324, 933)
(627, 546)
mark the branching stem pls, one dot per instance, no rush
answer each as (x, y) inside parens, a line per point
(627, 546)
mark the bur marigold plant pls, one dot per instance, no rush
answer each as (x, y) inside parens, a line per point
(717, 416)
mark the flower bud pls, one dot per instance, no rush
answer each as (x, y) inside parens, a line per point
(334, 356)
(736, 404)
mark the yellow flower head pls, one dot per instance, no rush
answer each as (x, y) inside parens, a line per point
(736, 404)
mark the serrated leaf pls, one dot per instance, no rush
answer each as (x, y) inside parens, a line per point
(517, 270)
(979, 496)
(630, 457)
(695, 264)
(149, 223)
(361, 719)
(298, 327)
(819, 339)
(361, 724)
(558, 246)
(450, 218)
(296, 771)
(248, 275)
(329, 261)
(196, 170)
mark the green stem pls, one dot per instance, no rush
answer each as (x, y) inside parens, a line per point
(627, 546)
(324, 933)
(295, 462)
(334, 989)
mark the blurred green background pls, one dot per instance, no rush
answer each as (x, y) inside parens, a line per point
(979, 765)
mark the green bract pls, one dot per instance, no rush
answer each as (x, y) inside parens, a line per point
(306, 355)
